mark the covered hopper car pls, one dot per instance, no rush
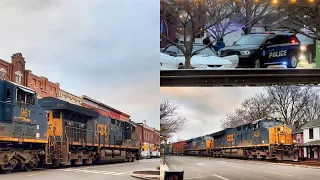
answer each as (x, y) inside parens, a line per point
(52, 132)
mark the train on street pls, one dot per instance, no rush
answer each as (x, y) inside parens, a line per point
(52, 133)
(266, 138)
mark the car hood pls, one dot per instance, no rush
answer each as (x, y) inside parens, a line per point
(241, 47)
(210, 60)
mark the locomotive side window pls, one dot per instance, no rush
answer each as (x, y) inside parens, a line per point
(113, 121)
(25, 97)
(9, 92)
(56, 114)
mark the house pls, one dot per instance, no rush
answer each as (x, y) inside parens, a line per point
(297, 137)
(311, 140)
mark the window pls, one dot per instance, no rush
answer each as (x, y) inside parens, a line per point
(18, 79)
(239, 128)
(2, 73)
(298, 138)
(66, 115)
(171, 50)
(113, 121)
(311, 133)
(56, 114)
(9, 92)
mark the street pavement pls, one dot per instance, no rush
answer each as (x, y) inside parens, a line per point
(113, 171)
(208, 168)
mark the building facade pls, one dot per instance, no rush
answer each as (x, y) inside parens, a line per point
(71, 98)
(16, 72)
(297, 137)
(148, 138)
(311, 139)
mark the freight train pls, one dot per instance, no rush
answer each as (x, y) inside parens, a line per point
(266, 138)
(50, 132)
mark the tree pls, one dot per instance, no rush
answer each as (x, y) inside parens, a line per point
(170, 119)
(251, 12)
(302, 17)
(192, 17)
(253, 108)
(227, 25)
(290, 103)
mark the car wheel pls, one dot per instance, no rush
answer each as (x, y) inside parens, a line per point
(293, 62)
(181, 66)
(257, 63)
(310, 58)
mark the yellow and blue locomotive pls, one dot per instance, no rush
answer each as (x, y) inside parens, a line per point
(52, 132)
(23, 127)
(266, 138)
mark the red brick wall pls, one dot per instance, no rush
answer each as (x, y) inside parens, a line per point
(17, 64)
(42, 86)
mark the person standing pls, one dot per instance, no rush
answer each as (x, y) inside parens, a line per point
(176, 39)
(208, 40)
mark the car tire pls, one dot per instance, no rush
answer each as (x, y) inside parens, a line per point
(181, 66)
(257, 63)
(310, 57)
(293, 61)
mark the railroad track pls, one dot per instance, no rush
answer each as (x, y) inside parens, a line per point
(239, 77)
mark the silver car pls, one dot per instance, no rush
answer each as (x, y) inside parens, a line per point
(145, 154)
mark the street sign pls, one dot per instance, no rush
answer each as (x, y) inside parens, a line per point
(173, 175)
(317, 53)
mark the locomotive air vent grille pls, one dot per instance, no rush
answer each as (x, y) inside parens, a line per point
(30, 131)
(18, 130)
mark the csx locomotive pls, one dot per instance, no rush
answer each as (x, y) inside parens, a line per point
(52, 132)
(266, 138)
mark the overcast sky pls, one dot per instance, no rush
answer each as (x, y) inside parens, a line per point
(205, 107)
(101, 48)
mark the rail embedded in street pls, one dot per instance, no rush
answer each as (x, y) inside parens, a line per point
(239, 77)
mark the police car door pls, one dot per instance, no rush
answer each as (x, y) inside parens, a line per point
(274, 52)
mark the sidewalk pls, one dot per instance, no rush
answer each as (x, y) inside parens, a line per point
(163, 168)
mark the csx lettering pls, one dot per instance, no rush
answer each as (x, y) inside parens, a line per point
(102, 129)
(278, 53)
(25, 113)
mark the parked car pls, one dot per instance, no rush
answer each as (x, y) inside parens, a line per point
(145, 155)
(259, 50)
(155, 154)
(172, 58)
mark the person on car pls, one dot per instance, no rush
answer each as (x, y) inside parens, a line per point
(176, 39)
(219, 45)
(208, 40)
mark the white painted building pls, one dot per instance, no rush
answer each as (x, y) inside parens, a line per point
(311, 139)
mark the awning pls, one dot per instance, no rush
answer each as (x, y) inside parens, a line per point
(26, 90)
(311, 143)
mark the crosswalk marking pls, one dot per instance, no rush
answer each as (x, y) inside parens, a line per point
(94, 172)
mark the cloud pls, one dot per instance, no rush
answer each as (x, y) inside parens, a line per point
(104, 49)
(205, 107)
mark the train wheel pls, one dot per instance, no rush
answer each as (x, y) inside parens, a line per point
(27, 167)
(5, 170)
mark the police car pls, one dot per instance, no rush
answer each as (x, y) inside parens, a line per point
(259, 50)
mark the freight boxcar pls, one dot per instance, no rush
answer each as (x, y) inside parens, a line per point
(178, 148)
(79, 135)
(199, 146)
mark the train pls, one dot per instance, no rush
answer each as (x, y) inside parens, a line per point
(266, 138)
(49, 132)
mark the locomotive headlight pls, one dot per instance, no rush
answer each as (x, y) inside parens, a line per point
(262, 142)
(282, 128)
(281, 141)
(294, 141)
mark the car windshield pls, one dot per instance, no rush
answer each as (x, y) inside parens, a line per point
(207, 51)
(303, 38)
(252, 39)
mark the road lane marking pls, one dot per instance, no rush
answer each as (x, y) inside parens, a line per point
(109, 173)
(279, 173)
(118, 174)
(35, 174)
(201, 164)
(208, 176)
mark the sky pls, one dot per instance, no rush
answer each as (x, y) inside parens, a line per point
(104, 49)
(205, 107)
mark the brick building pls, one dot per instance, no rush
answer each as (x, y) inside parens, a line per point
(16, 72)
(148, 138)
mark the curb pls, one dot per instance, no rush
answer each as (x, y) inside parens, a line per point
(143, 176)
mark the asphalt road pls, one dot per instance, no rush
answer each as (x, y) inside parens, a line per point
(208, 168)
(117, 171)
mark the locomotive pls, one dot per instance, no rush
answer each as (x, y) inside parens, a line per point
(50, 132)
(266, 138)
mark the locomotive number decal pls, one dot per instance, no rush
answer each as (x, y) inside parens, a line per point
(229, 137)
(256, 133)
(25, 115)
